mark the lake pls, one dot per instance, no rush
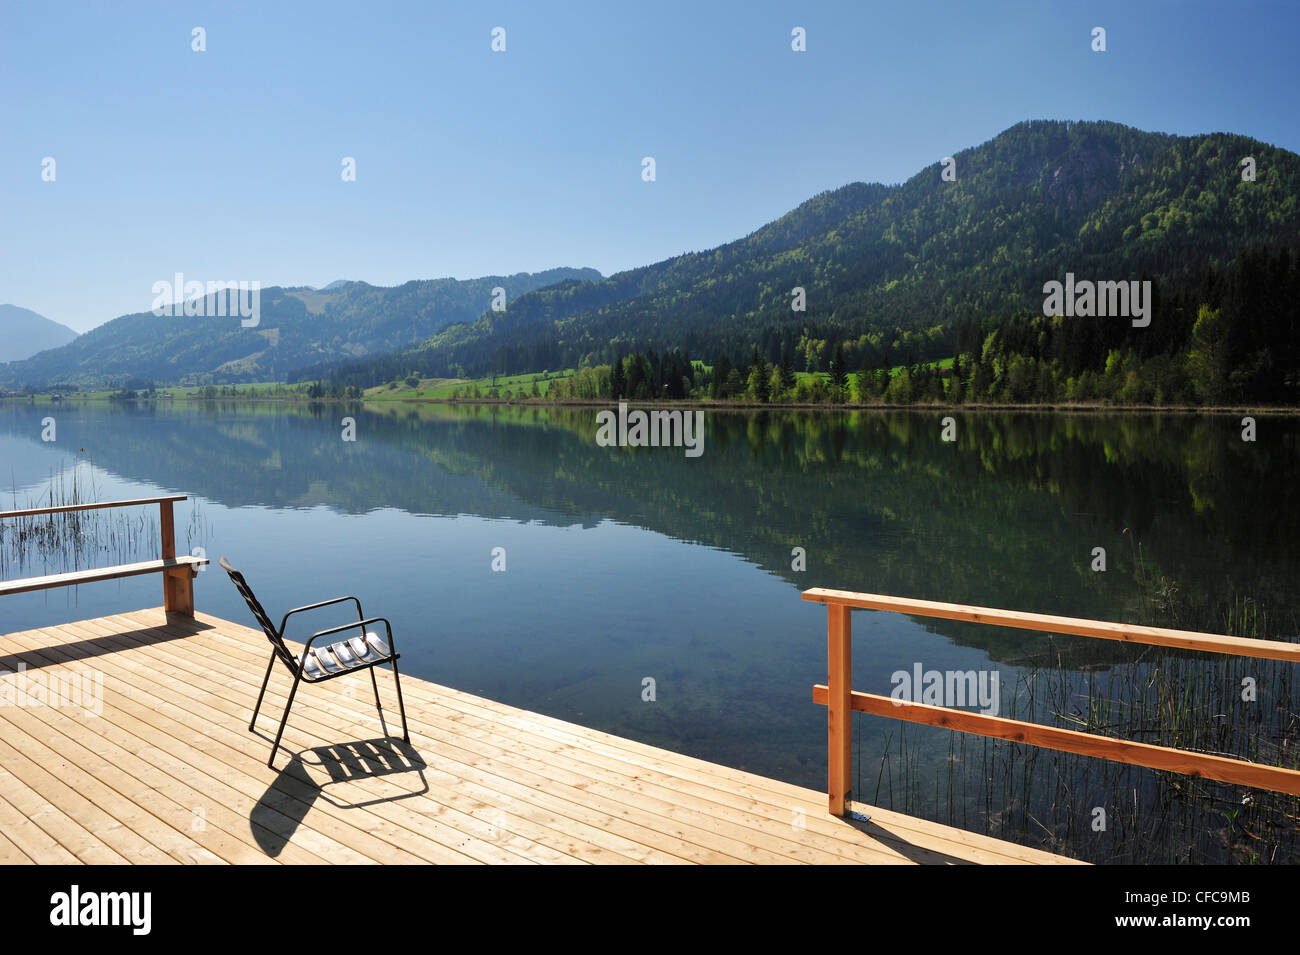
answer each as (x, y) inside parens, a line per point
(622, 564)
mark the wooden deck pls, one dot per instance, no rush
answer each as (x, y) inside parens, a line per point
(168, 772)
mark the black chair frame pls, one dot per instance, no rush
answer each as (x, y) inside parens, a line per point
(297, 665)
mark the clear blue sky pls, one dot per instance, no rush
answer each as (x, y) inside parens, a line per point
(225, 164)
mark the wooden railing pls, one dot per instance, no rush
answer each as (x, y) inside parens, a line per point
(841, 700)
(178, 572)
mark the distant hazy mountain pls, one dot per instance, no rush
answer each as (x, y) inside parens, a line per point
(23, 333)
(296, 327)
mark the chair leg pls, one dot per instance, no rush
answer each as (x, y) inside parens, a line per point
(379, 706)
(265, 680)
(284, 719)
(406, 736)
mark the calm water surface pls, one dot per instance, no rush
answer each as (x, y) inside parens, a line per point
(624, 564)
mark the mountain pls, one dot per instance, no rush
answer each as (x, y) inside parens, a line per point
(23, 333)
(1041, 199)
(295, 327)
(887, 272)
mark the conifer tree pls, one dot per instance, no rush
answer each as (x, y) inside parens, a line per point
(839, 374)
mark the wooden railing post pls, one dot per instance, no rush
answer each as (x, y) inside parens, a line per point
(178, 584)
(167, 524)
(841, 702)
(839, 711)
(177, 572)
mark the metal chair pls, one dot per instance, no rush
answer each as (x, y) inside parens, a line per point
(322, 663)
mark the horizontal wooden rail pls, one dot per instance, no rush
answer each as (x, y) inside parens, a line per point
(178, 575)
(840, 699)
(1075, 626)
(97, 505)
(1276, 778)
(179, 566)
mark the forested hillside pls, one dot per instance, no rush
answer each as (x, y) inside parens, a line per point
(903, 274)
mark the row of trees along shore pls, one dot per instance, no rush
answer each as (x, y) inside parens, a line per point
(1231, 338)
(1018, 363)
(1234, 338)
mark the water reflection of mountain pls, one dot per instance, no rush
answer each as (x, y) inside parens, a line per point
(1005, 516)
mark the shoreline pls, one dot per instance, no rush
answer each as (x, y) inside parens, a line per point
(708, 404)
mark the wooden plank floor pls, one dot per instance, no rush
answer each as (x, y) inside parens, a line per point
(167, 772)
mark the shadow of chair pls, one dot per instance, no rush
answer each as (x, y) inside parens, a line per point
(297, 787)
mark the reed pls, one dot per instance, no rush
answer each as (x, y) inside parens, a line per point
(1049, 799)
(74, 540)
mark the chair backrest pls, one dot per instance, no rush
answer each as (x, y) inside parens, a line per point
(255, 605)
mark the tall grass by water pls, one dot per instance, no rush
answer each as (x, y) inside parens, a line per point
(73, 540)
(1098, 810)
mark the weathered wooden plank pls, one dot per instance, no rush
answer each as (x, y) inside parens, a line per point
(473, 834)
(19, 823)
(327, 716)
(498, 783)
(719, 783)
(113, 738)
(10, 854)
(172, 711)
(96, 835)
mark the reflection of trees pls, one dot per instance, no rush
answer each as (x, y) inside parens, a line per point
(1005, 516)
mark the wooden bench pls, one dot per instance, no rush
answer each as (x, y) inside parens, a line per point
(178, 572)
